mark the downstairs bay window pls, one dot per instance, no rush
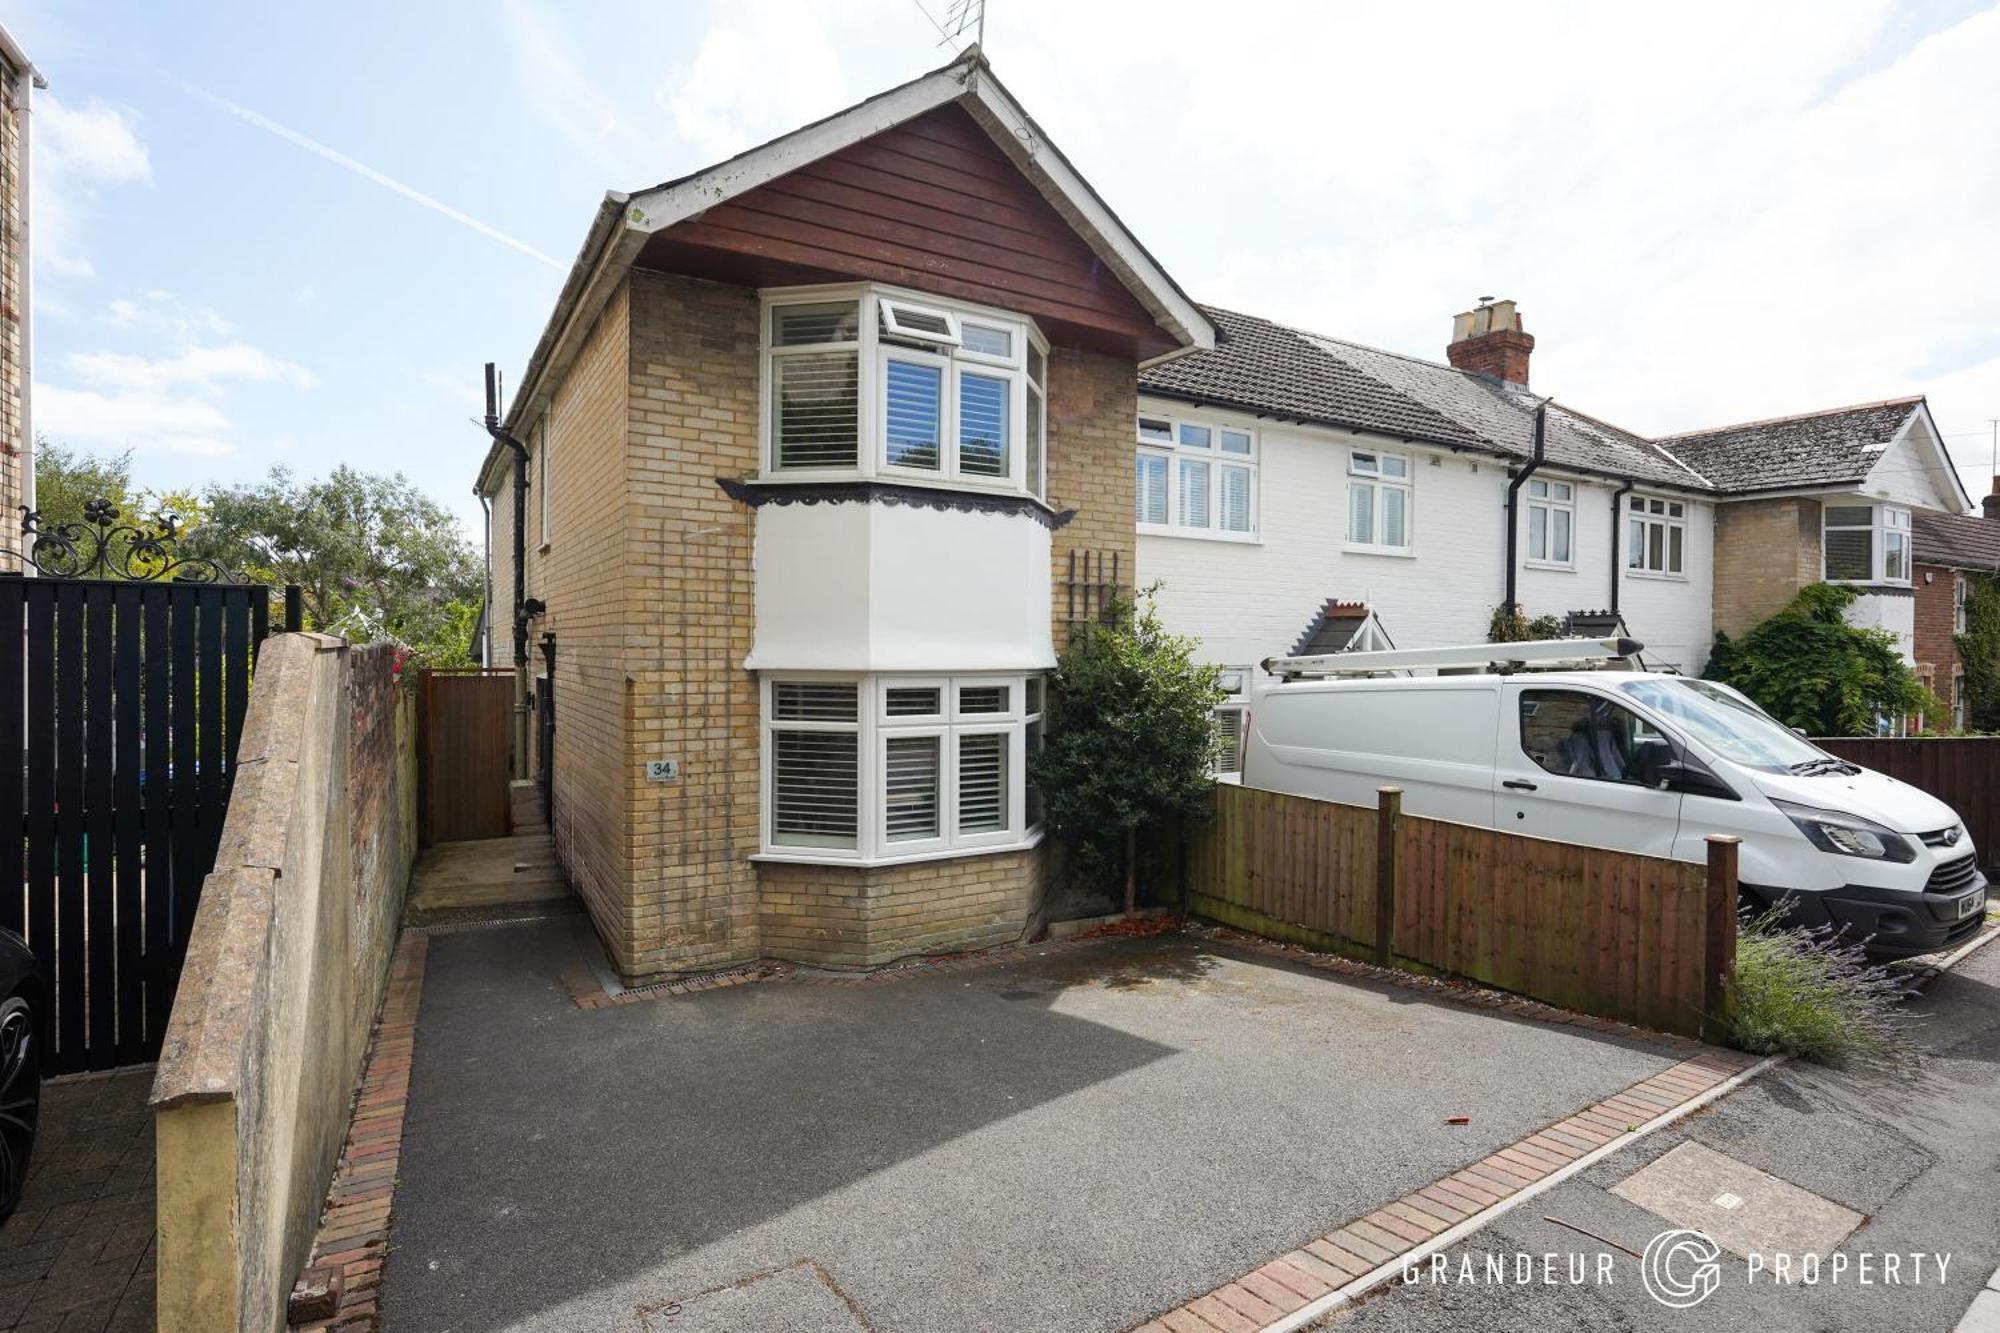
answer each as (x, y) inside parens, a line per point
(882, 768)
(876, 383)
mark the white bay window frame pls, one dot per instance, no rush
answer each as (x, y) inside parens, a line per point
(1193, 467)
(1887, 530)
(886, 833)
(957, 339)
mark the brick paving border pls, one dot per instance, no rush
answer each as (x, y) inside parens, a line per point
(1271, 1295)
(353, 1237)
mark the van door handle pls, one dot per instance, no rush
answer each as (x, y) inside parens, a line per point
(1518, 784)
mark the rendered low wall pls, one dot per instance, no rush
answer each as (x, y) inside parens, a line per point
(284, 973)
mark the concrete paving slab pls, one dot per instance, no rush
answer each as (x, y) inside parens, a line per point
(1064, 1141)
(1742, 1209)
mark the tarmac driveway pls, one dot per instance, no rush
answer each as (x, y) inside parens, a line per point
(1068, 1140)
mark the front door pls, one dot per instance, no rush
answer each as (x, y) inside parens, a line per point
(1577, 766)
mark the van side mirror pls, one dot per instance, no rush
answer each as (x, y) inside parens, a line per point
(1695, 780)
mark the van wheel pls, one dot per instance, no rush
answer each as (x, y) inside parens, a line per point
(20, 1096)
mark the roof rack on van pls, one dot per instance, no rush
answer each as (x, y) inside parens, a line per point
(1499, 658)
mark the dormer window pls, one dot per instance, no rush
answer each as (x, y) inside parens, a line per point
(925, 392)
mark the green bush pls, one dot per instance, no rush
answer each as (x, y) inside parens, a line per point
(1811, 669)
(1510, 624)
(1805, 991)
(1130, 740)
(1979, 649)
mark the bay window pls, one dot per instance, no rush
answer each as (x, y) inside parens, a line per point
(1195, 479)
(1656, 536)
(863, 382)
(1378, 502)
(883, 768)
(1551, 521)
(1866, 544)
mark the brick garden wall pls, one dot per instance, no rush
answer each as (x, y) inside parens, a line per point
(1765, 551)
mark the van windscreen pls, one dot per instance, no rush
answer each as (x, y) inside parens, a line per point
(1724, 721)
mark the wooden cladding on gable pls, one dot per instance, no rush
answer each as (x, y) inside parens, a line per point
(932, 204)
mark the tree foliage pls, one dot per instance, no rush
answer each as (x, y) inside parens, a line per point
(1510, 624)
(1809, 668)
(1979, 652)
(1130, 739)
(373, 556)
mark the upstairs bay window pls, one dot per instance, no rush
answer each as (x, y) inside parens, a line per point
(1194, 479)
(903, 388)
(884, 768)
(1378, 502)
(1866, 544)
(1656, 536)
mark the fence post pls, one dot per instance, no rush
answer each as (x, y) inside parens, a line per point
(1388, 818)
(295, 618)
(1718, 959)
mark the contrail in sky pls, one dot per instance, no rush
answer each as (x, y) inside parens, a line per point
(341, 159)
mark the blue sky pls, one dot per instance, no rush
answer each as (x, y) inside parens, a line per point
(1708, 213)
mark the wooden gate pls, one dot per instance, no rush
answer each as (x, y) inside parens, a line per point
(125, 701)
(468, 717)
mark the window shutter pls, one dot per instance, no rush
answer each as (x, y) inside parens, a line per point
(1395, 503)
(1152, 489)
(1361, 513)
(814, 788)
(982, 425)
(816, 400)
(912, 770)
(982, 783)
(915, 414)
(1194, 494)
(1235, 498)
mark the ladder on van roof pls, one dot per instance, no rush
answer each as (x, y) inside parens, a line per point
(1498, 658)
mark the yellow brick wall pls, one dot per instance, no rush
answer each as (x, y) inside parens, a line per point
(692, 419)
(864, 916)
(12, 314)
(1093, 399)
(1765, 551)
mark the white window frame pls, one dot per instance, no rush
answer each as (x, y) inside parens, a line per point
(875, 727)
(1548, 497)
(1364, 468)
(1176, 451)
(1887, 524)
(1960, 591)
(882, 336)
(1643, 515)
(1233, 712)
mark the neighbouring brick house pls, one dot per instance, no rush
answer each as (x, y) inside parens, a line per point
(1948, 549)
(18, 80)
(807, 446)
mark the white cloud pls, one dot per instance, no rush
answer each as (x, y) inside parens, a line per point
(79, 151)
(573, 102)
(763, 68)
(163, 314)
(171, 403)
(201, 368)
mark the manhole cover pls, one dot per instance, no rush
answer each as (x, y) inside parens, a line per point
(800, 1299)
(1742, 1209)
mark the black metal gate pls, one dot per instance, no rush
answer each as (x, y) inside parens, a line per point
(126, 701)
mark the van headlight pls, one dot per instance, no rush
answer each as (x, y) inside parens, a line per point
(1848, 835)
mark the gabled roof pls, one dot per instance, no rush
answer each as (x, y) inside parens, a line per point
(1274, 370)
(1335, 626)
(1956, 541)
(1830, 448)
(624, 222)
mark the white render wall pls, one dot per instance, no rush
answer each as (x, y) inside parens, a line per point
(1250, 600)
(1892, 611)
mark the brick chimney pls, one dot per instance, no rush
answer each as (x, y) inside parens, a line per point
(1489, 340)
(1990, 505)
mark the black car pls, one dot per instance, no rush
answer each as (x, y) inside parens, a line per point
(23, 1019)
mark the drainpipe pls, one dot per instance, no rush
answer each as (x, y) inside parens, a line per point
(1617, 541)
(520, 617)
(1514, 502)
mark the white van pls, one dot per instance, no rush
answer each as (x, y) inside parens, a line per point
(1629, 760)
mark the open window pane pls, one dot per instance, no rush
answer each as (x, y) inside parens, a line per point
(1152, 428)
(915, 414)
(815, 398)
(1361, 514)
(1194, 494)
(982, 425)
(912, 768)
(982, 783)
(814, 788)
(1152, 488)
(1236, 499)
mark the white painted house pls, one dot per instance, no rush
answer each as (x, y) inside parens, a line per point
(1299, 492)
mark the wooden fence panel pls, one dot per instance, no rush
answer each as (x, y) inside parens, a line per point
(1604, 932)
(1961, 771)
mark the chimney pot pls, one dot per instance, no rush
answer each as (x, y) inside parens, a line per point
(1489, 340)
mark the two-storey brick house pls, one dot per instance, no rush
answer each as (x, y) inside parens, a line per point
(1949, 550)
(801, 457)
